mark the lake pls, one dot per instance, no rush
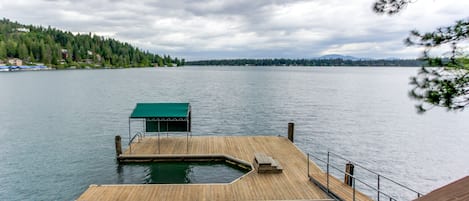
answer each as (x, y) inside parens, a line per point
(57, 128)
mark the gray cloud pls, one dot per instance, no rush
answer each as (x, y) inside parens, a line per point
(243, 29)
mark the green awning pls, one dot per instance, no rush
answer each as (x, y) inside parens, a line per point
(161, 110)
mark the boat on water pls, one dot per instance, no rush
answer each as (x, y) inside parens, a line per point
(23, 68)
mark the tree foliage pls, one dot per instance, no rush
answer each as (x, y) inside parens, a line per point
(62, 49)
(445, 82)
(390, 7)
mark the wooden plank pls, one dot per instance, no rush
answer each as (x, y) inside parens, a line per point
(455, 191)
(262, 159)
(292, 184)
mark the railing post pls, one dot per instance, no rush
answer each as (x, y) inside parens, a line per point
(130, 147)
(378, 187)
(353, 184)
(327, 172)
(129, 130)
(159, 144)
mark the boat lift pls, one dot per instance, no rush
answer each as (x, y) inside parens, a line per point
(161, 117)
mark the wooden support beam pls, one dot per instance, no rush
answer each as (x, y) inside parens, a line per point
(118, 143)
(291, 131)
(348, 169)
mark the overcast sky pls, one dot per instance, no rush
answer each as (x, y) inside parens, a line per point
(214, 29)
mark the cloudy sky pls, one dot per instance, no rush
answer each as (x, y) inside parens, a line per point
(214, 29)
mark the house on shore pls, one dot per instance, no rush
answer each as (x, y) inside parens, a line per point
(15, 62)
(22, 29)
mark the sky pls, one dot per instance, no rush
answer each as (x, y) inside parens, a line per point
(229, 29)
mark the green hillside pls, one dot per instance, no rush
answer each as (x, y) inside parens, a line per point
(60, 49)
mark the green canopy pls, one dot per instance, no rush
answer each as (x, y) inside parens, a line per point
(162, 117)
(161, 110)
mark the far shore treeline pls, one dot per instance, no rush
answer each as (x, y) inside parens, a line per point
(307, 62)
(36, 45)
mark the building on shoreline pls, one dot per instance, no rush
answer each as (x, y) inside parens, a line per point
(15, 62)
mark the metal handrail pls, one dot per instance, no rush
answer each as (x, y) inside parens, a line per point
(377, 174)
(139, 135)
(353, 179)
(377, 189)
(363, 182)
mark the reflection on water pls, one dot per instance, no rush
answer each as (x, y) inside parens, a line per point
(178, 173)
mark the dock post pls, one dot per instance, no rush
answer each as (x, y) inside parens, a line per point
(291, 131)
(118, 143)
(349, 170)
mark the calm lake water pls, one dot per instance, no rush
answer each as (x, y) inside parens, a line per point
(57, 128)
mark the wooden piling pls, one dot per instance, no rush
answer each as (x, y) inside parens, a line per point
(291, 131)
(118, 145)
(349, 170)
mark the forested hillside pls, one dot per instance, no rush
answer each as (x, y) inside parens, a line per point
(308, 62)
(60, 49)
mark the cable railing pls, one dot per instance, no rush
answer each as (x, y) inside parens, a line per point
(380, 178)
(377, 189)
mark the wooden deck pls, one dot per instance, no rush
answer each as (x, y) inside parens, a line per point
(455, 191)
(292, 184)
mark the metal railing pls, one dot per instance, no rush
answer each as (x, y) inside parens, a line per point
(138, 135)
(377, 188)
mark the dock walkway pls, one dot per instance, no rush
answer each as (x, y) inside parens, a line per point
(292, 184)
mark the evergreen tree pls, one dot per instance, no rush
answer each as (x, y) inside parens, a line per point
(46, 45)
(3, 51)
(11, 49)
(23, 52)
(160, 62)
(447, 85)
(46, 54)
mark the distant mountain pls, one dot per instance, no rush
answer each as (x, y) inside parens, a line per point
(352, 58)
(325, 61)
(391, 58)
(343, 57)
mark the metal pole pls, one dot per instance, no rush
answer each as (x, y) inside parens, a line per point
(187, 133)
(187, 126)
(307, 164)
(129, 130)
(130, 146)
(159, 144)
(327, 172)
(378, 187)
(353, 182)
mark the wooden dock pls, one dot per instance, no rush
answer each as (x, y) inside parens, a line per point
(292, 184)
